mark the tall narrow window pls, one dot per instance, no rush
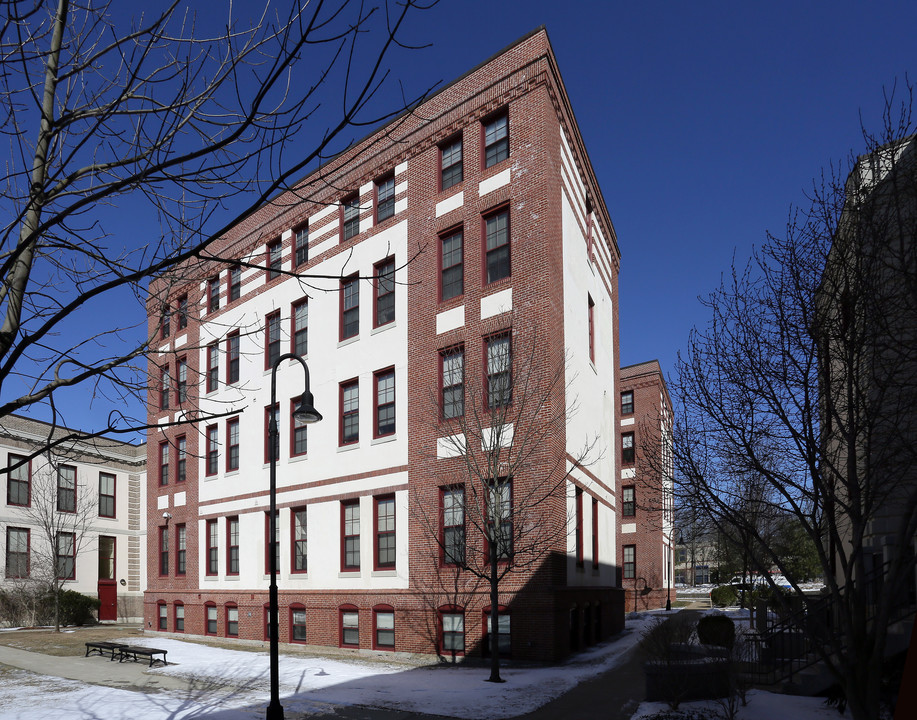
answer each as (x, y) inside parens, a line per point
(181, 389)
(66, 488)
(213, 548)
(66, 556)
(385, 292)
(350, 307)
(300, 328)
(496, 140)
(385, 532)
(213, 450)
(300, 541)
(591, 322)
(350, 627)
(385, 198)
(350, 217)
(213, 366)
(630, 562)
(179, 617)
(107, 545)
(350, 535)
(232, 546)
(232, 444)
(301, 238)
(350, 412)
(579, 528)
(452, 265)
(595, 534)
(106, 495)
(627, 402)
(165, 322)
(385, 402)
(165, 388)
(627, 448)
(500, 511)
(164, 463)
(453, 533)
(628, 501)
(273, 257)
(163, 612)
(298, 624)
(450, 156)
(499, 371)
(384, 621)
(211, 619)
(268, 544)
(453, 382)
(453, 632)
(182, 312)
(164, 550)
(235, 283)
(299, 435)
(181, 549)
(182, 460)
(504, 637)
(17, 552)
(271, 339)
(271, 443)
(496, 246)
(18, 480)
(232, 357)
(213, 294)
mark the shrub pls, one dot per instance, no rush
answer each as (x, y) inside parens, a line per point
(76, 608)
(723, 596)
(661, 639)
(716, 630)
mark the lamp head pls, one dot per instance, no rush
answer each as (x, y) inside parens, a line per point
(305, 411)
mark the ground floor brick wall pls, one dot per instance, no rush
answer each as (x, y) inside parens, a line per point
(547, 626)
(638, 599)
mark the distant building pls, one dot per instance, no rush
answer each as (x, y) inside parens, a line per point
(443, 238)
(95, 488)
(645, 543)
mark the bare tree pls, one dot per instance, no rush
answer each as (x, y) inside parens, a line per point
(61, 511)
(498, 513)
(804, 381)
(134, 144)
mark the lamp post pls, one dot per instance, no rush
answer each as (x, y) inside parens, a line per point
(305, 412)
(668, 589)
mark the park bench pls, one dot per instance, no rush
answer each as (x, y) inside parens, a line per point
(104, 648)
(135, 653)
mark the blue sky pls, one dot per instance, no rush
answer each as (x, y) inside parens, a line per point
(705, 122)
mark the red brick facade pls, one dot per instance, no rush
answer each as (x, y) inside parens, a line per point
(535, 186)
(646, 516)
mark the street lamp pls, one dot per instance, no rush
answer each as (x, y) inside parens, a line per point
(668, 589)
(304, 412)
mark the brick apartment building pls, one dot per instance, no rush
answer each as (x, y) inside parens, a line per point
(490, 180)
(645, 545)
(92, 493)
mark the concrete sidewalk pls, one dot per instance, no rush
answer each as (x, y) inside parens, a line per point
(95, 669)
(613, 695)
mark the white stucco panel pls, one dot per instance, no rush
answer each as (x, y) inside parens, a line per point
(180, 499)
(501, 436)
(628, 474)
(452, 446)
(450, 319)
(627, 421)
(499, 302)
(162, 502)
(494, 182)
(450, 203)
(628, 528)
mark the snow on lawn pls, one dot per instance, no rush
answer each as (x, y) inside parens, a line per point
(762, 705)
(234, 684)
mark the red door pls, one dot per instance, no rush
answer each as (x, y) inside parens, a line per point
(108, 598)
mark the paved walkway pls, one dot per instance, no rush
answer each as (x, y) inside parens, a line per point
(613, 695)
